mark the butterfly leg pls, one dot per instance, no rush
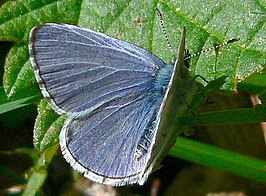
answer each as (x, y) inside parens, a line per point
(208, 100)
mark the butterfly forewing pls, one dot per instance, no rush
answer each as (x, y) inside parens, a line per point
(80, 69)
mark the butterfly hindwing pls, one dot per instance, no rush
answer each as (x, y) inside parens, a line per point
(104, 142)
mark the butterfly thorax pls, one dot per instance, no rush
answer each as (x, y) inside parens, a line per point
(162, 79)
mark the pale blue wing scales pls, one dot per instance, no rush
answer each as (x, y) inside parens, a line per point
(106, 86)
(105, 141)
(79, 69)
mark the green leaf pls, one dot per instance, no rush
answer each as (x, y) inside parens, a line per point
(47, 127)
(219, 158)
(227, 117)
(35, 182)
(18, 17)
(9, 105)
(18, 76)
(255, 83)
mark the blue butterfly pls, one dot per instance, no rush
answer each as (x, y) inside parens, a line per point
(120, 100)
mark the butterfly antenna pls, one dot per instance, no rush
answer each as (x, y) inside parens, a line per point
(189, 56)
(164, 31)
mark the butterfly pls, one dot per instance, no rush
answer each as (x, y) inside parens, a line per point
(120, 100)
